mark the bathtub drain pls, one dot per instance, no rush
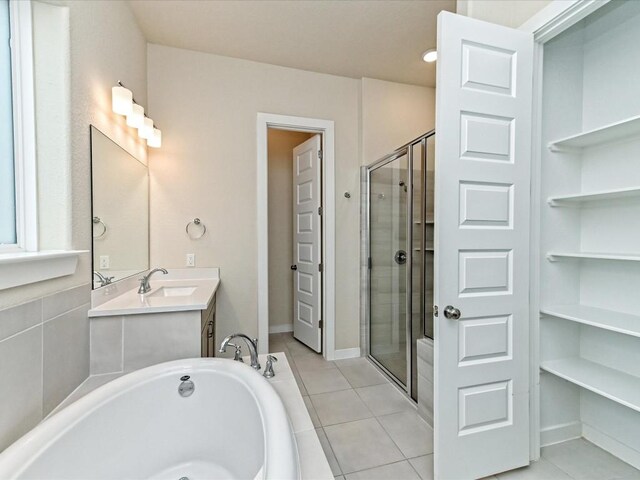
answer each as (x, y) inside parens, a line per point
(185, 389)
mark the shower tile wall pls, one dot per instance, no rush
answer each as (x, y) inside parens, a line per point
(44, 356)
(425, 379)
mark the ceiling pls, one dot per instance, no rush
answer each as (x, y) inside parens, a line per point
(381, 39)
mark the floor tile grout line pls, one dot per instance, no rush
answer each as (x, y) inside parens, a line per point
(332, 451)
(389, 435)
(386, 465)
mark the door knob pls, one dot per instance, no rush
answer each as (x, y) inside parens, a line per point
(400, 257)
(294, 267)
(451, 312)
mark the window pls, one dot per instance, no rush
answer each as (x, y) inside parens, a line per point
(18, 197)
(8, 234)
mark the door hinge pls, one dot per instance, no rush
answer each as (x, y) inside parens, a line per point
(320, 154)
(435, 310)
(369, 263)
(319, 267)
(320, 324)
(319, 210)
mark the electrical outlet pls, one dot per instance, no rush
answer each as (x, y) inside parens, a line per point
(191, 259)
(104, 261)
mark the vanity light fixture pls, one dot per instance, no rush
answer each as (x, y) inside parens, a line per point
(135, 119)
(121, 100)
(155, 140)
(123, 103)
(146, 129)
(430, 55)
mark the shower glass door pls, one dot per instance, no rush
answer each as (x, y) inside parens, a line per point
(390, 257)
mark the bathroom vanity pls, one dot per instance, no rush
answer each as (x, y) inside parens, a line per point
(174, 320)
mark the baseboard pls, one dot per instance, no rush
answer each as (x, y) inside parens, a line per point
(346, 353)
(281, 328)
(611, 445)
(560, 433)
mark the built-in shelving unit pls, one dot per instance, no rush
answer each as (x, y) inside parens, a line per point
(589, 244)
(582, 198)
(609, 133)
(597, 317)
(625, 257)
(612, 384)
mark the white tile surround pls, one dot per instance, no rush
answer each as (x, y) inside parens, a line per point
(44, 356)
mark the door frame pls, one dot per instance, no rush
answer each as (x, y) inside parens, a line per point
(551, 21)
(327, 129)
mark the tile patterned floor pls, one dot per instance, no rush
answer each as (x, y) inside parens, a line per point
(370, 431)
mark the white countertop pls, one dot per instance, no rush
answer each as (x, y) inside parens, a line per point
(130, 302)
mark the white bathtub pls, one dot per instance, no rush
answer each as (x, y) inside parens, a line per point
(234, 426)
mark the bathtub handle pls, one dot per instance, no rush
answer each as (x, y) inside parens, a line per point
(237, 356)
(268, 369)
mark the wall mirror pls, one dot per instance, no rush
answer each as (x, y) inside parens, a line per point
(119, 213)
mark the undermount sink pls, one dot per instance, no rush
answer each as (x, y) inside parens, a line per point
(173, 292)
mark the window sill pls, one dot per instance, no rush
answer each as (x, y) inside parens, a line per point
(22, 268)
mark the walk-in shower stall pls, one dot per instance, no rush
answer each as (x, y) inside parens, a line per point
(398, 228)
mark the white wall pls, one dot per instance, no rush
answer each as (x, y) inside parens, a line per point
(207, 107)
(511, 13)
(280, 152)
(393, 114)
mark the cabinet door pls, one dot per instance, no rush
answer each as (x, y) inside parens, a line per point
(483, 150)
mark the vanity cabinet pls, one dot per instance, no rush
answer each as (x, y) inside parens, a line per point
(175, 320)
(208, 330)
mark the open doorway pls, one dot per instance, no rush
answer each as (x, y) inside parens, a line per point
(295, 235)
(296, 225)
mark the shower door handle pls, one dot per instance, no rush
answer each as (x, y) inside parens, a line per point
(400, 257)
(452, 313)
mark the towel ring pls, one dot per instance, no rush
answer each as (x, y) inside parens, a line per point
(198, 222)
(97, 221)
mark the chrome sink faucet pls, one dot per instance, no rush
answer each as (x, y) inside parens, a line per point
(252, 344)
(102, 279)
(145, 287)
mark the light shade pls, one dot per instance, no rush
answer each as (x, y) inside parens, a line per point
(121, 100)
(155, 140)
(135, 118)
(146, 129)
(430, 55)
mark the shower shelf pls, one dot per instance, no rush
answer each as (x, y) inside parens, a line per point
(608, 382)
(597, 317)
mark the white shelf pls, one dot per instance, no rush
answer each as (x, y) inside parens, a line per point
(597, 317)
(626, 257)
(608, 133)
(612, 384)
(616, 194)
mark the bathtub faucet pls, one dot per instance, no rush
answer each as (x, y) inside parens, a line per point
(252, 344)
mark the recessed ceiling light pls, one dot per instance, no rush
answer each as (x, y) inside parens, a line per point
(430, 55)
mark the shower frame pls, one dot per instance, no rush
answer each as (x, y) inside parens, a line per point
(408, 150)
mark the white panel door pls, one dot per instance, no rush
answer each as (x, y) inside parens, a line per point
(483, 151)
(307, 299)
